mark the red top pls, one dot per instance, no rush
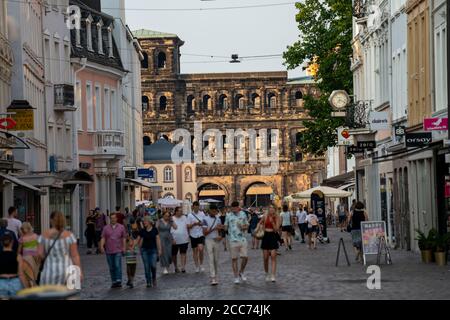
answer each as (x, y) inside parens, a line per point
(268, 223)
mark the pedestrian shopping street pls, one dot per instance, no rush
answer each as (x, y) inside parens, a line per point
(302, 274)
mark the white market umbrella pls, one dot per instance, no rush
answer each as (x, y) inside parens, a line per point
(327, 192)
(292, 199)
(210, 201)
(169, 202)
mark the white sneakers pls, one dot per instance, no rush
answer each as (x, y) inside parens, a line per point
(243, 277)
(199, 269)
(270, 277)
(237, 281)
(214, 282)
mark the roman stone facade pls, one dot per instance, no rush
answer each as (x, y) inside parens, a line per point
(257, 100)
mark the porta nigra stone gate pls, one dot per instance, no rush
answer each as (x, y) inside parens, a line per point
(254, 100)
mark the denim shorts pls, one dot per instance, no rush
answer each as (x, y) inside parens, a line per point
(9, 287)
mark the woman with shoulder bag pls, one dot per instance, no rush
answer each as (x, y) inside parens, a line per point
(270, 223)
(58, 250)
(313, 229)
(357, 216)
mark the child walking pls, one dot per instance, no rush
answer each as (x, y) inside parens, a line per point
(131, 259)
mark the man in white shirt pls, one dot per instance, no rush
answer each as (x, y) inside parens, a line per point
(213, 239)
(180, 236)
(14, 224)
(301, 221)
(196, 221)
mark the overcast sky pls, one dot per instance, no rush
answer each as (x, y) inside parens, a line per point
(247, 32)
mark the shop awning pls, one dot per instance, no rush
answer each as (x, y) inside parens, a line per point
(345, 186)
(340, 180)
(141, 183)
(259, 190)
(75, 177)
(212, 193)
(21, 183)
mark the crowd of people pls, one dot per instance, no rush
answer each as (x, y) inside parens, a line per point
(28, 259)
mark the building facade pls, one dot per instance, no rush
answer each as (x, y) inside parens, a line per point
(130, 101)
(402, 185)
(176, 181)
(260, 100)
(98, 73)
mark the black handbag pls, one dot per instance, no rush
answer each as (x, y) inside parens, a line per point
(349, 228)
(41, 267)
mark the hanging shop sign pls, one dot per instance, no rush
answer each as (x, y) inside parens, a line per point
(145, 173)
(10, 141)
(7, 123)
(23, 114)
(399, 131)
(435, 124)
(369, 145)
(379, 120)
(354, 149)
(344, 137)
(418, 139)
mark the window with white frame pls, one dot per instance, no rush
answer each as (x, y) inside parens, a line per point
(78, 105)
(56, 63)
(114, 111)
(110, 41)
(168, 174)
(440, 62)
(47, 55)
(99, 36)
(90, 109)
(107, 109)
(98, 109)
(89, 32)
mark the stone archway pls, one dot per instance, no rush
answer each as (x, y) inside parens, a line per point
(212, 189)
(257, 194)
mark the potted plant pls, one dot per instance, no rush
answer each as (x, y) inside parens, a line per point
(426, 245)
(441, 242)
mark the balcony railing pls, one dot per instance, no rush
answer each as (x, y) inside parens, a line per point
(109, 142)
(64, 97)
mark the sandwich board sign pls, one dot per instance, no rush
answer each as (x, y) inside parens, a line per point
(371, 232)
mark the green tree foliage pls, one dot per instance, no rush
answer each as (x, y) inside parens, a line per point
(325, 37)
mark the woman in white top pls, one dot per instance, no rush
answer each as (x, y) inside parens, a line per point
(180, 239)
(313, 229)
(286, 227)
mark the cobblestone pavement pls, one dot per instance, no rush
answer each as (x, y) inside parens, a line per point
(302, 274)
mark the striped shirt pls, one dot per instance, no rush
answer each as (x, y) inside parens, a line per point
(58, 260)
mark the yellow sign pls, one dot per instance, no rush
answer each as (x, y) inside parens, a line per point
(24, 119)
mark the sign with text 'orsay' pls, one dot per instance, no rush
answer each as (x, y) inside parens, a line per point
(418, 139)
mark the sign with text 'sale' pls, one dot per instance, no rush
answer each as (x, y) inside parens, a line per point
(418, 139)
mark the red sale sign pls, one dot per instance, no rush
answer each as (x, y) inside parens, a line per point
(435, 124)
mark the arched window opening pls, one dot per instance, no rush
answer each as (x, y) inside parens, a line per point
(161, 60)
(190, 104)
(299, 99)
(272, 100)
(162, 103)
(188, 174)
(147, 141)
(239, 101)
(144, 62)
(256, 100)
(223, 102)
(145, 103)
(207, 103)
